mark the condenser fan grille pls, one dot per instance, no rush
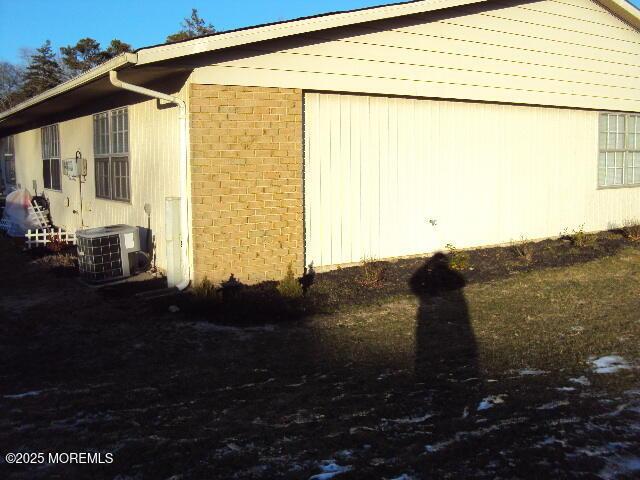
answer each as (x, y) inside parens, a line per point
(100, 258)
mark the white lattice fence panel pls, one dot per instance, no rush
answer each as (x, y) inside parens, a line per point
(42, 237)
(39, 215)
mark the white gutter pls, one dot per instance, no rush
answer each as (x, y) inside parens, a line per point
(184, 168)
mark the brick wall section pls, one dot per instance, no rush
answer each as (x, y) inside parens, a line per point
(246, 160)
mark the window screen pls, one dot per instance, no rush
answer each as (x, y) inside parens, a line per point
(8, 159)
(111, 153)
(51, 157)
(619, 160)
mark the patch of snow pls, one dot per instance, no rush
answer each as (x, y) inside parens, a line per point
(566, 389)
(414, 419)
(490, 401)
(329, 470)
(436, 447)
(553, 405)
(531, 372)
(550, 441)
(618, 466)
(581, 381)
(32, 393)
(404, 476)
(609, 364)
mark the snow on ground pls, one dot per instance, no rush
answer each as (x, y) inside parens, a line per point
(610, 364)
(531, 372)
(618, 466)
(329, 470)
(581, 381)
(414, 419)
(553, 405)
(490, 401)
(32, 393)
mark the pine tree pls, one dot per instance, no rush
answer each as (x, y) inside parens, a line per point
(192, 27)
(42, 73)
(87, 54)
(116, 47)
(81, 57)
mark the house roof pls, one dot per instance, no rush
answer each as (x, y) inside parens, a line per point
(154, 55)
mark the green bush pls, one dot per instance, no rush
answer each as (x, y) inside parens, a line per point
(289, 286)
(458, 260)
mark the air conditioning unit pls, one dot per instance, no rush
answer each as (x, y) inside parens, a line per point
(107, 253)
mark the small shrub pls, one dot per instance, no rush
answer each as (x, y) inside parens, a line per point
(578, 237)
(631, 230)
(458, 260)
(289, 286)
(55, 244)
(205, 289)
(523, 249)
(372, 272)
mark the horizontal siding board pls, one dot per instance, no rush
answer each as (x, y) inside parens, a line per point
(398, 55)
(544, 53)
(486, 173)
(445, 74)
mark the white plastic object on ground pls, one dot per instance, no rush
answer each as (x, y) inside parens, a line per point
(16, 213)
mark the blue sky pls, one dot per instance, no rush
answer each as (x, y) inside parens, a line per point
(28, 23)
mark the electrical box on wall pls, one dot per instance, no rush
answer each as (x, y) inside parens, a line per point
(74, 167)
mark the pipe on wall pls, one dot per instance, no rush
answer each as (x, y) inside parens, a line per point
(184, 167)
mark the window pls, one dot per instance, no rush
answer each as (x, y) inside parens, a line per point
(111, 152)
(51, 157)
(8, 159)
(619, 161)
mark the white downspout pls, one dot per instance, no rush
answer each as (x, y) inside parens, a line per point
(184, 168)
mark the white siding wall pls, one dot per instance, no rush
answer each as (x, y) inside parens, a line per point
(154, 169)
(551, 52)
(377, 169)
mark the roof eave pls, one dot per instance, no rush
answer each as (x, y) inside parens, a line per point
(624, 10)
(101, 70)
(290, 28)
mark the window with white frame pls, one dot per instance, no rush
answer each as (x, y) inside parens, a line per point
(111, 153)
(51, 157)
(619, 161)
(8, 167)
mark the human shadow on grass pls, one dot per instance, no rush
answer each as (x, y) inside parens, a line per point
(446, 354)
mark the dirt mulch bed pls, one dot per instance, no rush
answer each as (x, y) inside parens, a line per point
(352, 286)
(344, 286)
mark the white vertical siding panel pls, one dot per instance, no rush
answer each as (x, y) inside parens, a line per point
(487, 173)
(154, 171)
